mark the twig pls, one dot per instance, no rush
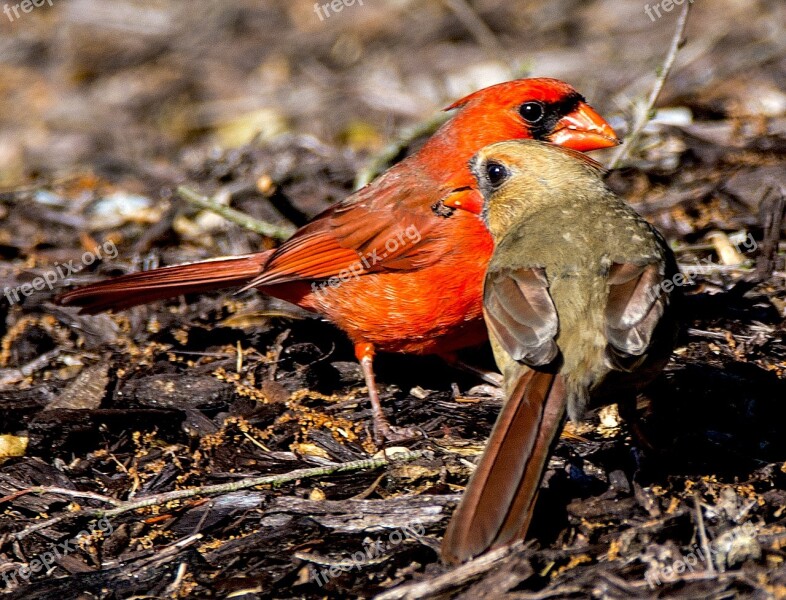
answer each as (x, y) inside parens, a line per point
(488, 40)
(772, 212)
(12, 376)
(705, 545)
(381, 161)
(453, 578)
(648, 111)
(715, 335)
(277, 232)
(173, 588)
(477, 27)
(161, 557)
(44, 489)
(712, 269)
(273, 480)
(676, 579)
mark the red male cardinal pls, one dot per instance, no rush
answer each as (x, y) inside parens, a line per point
(394, 265)
(576, 311)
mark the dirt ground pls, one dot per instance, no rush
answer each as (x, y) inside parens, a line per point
(105, 108)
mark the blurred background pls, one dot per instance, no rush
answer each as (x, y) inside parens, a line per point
(116, 86)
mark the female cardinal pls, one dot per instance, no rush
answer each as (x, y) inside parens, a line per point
(575, 311)
(394, 265)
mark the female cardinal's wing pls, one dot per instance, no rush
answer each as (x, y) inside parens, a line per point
(521, 314)
(634, 308)
(497, 505)
(389, 224)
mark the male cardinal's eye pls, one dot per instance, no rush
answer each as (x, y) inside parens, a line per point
(496, 173)
(532, 112)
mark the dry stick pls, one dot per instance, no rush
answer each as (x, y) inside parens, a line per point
(648, 112)
(713, 269)
(15, 375)
(163, 498)
(486, 39)
(453, 578)
(173, 588)
(477, 27)
(705, 545)
(59, 491)
(715, 335)
(381, 161)
(773, 212)
(278, 232)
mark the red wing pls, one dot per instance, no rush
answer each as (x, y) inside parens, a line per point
(521, 314)
(389, 224)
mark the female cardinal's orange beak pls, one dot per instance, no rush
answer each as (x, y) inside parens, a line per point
(583, 130)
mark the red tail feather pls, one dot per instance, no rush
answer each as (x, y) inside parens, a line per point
(169, 282)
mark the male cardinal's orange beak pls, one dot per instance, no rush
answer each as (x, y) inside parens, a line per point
(583, 130)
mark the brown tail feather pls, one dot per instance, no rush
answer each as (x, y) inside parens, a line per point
(159, 284)
(497, 504)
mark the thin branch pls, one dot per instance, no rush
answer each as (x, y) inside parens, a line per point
(712, 269)
(648, 111)
(11, 376)
(705, 545)
(59, 491)
(382, 160)
(221, 488)
(478, 28)
(453, 578)
(773, 211)
(277, 232)
(488, 40)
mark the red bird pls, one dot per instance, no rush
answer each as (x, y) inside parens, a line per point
(393, 265)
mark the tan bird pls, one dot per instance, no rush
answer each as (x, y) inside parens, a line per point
(576, 312)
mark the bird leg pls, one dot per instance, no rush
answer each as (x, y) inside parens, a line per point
(383, 430)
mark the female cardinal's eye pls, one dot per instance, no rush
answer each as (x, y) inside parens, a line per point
(496, 173)
(532, 112)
